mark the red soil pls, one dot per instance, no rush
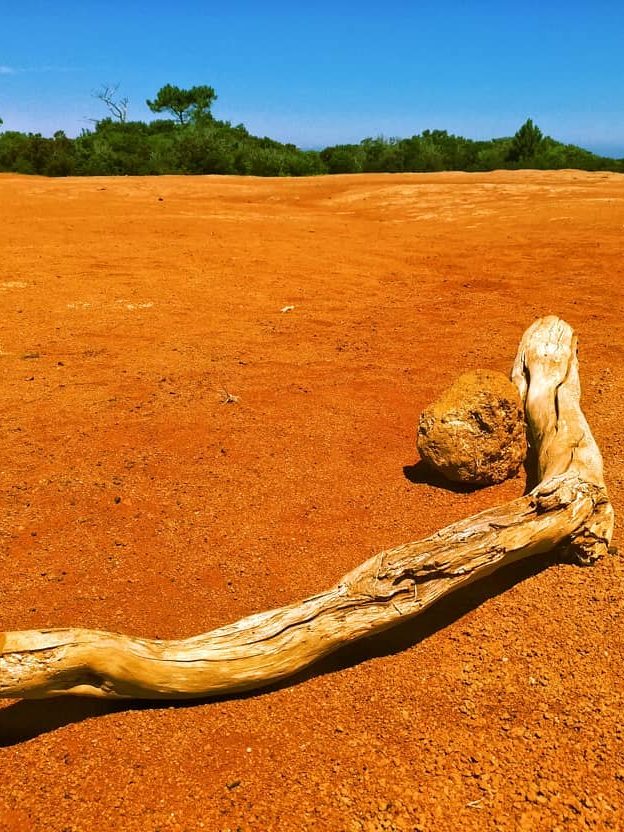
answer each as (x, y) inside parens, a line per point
(136, 499)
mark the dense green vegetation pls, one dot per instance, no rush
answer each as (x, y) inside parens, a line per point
(194, 142)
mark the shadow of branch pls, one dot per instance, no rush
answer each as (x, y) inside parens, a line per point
(27, 719)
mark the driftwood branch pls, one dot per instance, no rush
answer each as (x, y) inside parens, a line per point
(570, 507)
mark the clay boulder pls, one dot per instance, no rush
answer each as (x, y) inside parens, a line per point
(475, 432)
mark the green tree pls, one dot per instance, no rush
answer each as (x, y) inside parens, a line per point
(343, 158)
(186, 105)
(525, 143)
(61, 156)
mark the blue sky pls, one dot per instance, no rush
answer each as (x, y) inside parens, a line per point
(324, 73)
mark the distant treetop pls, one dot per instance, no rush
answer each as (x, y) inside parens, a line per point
(525, 143)
(186, 105)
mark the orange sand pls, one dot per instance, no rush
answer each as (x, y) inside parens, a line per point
(134, 498)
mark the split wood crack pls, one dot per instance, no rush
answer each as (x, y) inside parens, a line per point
(569, 508)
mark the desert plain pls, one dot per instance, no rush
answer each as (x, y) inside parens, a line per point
(209, 392)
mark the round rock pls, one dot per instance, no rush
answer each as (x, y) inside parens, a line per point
(475, 433)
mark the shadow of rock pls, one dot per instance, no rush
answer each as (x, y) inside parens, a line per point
(423, 474)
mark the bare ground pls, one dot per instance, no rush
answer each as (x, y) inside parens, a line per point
(135, 497)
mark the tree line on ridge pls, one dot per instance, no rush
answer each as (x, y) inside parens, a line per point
(192, 141)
